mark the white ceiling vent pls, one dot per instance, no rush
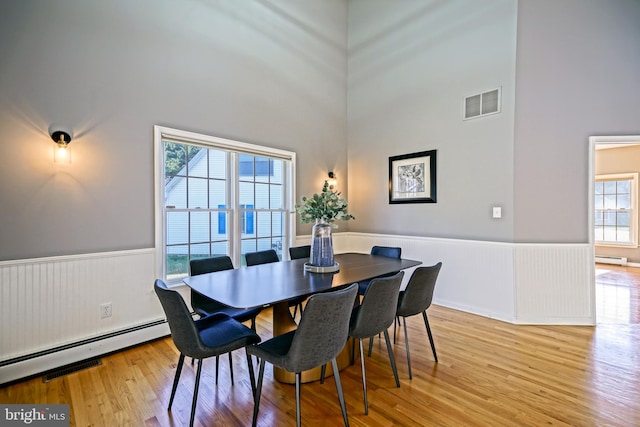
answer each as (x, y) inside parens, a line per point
(482, 104)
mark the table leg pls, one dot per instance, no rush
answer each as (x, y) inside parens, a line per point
(283, 322)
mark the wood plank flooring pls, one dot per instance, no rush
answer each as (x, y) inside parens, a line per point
(490, 373)
(617, 294)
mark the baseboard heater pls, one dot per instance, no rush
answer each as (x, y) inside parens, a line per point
(33, 364)
(617, 260)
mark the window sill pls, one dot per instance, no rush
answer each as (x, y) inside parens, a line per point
(617, 245)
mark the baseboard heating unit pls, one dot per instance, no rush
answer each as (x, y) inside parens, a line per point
(617, 260)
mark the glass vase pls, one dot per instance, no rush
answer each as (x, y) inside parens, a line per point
(321, 245)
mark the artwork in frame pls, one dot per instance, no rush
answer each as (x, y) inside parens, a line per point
(412, 178)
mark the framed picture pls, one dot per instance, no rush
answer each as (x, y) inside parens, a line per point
(412, 178)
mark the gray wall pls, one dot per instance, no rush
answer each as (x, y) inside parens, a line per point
(568, 70)
(578, 68)
(410, 68)
(275, 73)
(265, 72)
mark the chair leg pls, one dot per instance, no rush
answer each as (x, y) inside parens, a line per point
(256, 396)
(323, 372)
(252, 376)
(195, 393)
(298, 382)
(392, 359)
(433, 346)
(395, 326)
(406, 342)
(217, 368)
(364, 378)
(230, 368)
(336, 375)
(370, 346)
(176, 379)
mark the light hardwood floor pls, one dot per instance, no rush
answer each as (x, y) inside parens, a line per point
(490, 373)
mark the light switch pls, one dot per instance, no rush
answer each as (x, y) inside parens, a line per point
(497, 212)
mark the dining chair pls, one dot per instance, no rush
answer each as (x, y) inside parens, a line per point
(385, 251)
(416, 299)
(261, 257)
(299, 252)
(206, 337)
(266, 257)
(319, 338)
(374, 315)
(205, 306)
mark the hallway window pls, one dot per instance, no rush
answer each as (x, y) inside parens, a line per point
(616, 209)
(218, 197)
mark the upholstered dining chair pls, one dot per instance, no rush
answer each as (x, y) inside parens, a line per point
(385, 251)
(206, 337)
(299, 252)
(266, 257)
(261, 257)
(416, 299)
(374, 315)
(321, 334)
(205, 306)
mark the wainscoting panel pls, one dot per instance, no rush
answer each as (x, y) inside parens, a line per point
(476, 277)
(555, 284)
(518, 283)
(50, 303)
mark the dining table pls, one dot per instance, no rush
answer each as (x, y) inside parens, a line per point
(274, 284)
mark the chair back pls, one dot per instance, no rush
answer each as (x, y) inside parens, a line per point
(378, 307)
(199, 302)
(323, 329)
(418, 294)
(209, 265)
(387, 251)
(261, 257)
(183, 329)
(299, 252)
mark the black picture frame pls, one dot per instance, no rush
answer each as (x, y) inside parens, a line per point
(412, 178)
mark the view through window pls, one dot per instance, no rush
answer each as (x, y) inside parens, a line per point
(614, 209)
(220, 197)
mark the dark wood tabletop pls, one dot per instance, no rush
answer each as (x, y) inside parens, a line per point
(271, 283)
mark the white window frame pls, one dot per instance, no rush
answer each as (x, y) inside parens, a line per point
(160, 133)
(633, 226)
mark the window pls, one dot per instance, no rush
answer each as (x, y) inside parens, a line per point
(616, 209)
(218, 197)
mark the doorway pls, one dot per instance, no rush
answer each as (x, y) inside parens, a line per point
(614, 160)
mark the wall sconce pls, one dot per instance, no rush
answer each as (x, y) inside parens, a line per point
(61, 138)
(332, 179)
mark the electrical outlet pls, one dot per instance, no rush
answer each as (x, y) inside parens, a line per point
(105, 310)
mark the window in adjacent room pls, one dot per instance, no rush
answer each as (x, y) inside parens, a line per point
(218, 197)
(616, 209)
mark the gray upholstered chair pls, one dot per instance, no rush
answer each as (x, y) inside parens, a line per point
(299, 252)
(207, 337)
(374, 315)
(205, 306)
(266, 257)
(416, 299)
(319, 338)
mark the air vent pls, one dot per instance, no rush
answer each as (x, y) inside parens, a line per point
(71, 369)
(482, 104)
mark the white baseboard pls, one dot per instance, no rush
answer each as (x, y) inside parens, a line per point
(75, 353)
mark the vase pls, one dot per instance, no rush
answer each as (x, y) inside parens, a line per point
(321, 245)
